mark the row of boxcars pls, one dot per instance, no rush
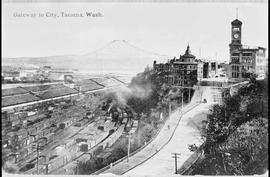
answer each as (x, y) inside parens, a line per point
(118, 114)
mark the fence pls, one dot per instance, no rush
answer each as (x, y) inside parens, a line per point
(187, 166)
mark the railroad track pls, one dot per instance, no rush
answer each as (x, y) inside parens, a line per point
(90, 150)
(86, 153)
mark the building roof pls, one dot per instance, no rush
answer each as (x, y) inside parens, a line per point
(56, 93)
(40, 88)
(85, 82)
(246, 47)
(13, 91)
(107, 82)
(20, 95)
(18, 99)
(89, 87)
(187, 54)
(99, 79)
(185, 63)
(236, 22)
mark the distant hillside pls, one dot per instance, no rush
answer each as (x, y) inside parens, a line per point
(56, 61)
(117, 55)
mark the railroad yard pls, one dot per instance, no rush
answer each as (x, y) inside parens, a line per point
(51, 127)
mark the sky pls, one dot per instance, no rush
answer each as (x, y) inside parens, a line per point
(164, 28)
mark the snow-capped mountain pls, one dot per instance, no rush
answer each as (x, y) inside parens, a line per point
(118, 55)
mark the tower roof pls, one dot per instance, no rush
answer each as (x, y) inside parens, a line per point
(188, 50)
(236, 22)
(188, 53)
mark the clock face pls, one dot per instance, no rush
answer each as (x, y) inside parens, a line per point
(235, 36)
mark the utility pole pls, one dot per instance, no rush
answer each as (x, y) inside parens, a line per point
(182, 98)
(189, 94)
(37, 155)
(139, 139)
(47, 169)
(77, 170)
(128, 146)
(170, 109)
(175, 156)
(37, 149)
(225, 111)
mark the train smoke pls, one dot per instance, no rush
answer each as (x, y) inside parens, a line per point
(122, 94)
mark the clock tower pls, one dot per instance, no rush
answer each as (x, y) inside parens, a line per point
(236, 35)
(235, 50)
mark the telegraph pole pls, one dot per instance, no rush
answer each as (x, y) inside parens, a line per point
(37, 155)
(47, 169)
(139, 124)
(170, 109)
(189, 94)
(77, 163)
(225, 112)
(37, 149)
(128, 146)
(175, 156)
(182, 99)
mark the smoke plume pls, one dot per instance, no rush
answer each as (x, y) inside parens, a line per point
(122, 94)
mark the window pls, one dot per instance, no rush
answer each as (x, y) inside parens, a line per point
(247, 54)
(236, 54)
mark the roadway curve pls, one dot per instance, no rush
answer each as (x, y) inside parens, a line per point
(156, 158)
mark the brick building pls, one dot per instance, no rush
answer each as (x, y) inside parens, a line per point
(182, 71)
(186, 70)
(244, 60)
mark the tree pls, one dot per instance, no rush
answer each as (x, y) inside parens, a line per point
(244, 153)
(237, 142)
